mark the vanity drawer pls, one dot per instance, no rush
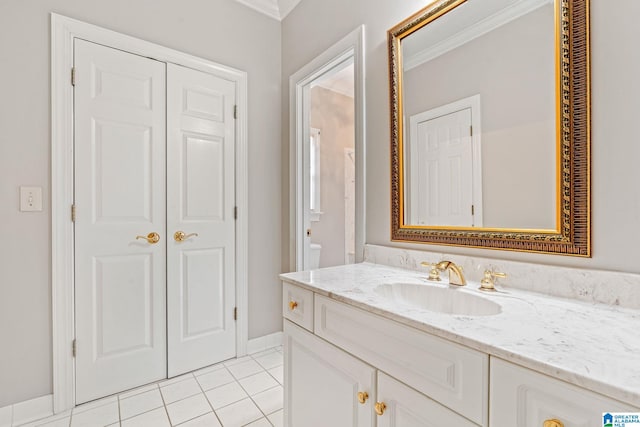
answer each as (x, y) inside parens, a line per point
(448, 373)
(524, 398)
(297, 305)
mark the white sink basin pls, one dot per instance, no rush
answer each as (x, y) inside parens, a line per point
(441, 300)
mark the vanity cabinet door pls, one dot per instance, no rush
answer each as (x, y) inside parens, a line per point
(520, 397)
(323, 383)
(405, 407)
(451, 374)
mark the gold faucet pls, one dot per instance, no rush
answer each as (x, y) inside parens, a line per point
(455, 273)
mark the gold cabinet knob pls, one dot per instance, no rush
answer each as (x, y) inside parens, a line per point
(553, 423)
(152, 237)
(292, 305)
(181, 236)
(380, 407)
(363, 396)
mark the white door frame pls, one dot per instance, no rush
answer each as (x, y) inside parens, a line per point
(351, 46)
(63, 31)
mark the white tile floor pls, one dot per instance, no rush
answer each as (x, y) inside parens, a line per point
(239, 392)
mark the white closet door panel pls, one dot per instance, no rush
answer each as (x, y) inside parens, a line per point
(122, 196)
(202, 286)
(124, 282)
(203, 179)
(201, 200)
(119, 194)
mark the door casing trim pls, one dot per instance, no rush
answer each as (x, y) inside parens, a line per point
(63, 31)
(350, 46)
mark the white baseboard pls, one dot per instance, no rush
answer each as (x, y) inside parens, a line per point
(24, 412)
(265, 342)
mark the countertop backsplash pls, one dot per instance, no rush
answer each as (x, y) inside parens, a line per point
(595, 286)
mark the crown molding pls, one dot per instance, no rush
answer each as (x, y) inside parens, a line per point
(276, 9)
(480, 28)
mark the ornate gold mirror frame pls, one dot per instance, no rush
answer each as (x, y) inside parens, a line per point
(572, 236)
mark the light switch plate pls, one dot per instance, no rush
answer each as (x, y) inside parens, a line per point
(30, 199)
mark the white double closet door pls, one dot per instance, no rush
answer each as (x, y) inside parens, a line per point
(154, 156)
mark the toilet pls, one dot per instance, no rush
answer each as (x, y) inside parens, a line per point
(314, 255)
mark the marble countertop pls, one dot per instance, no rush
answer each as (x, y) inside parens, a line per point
(594, 346)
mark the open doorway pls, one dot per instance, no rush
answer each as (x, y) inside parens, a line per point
(327, 146)
(332, 168)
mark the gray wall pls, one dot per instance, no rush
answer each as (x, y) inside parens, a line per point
(316, 24)
(512, 69)
(219, 30)
(333, 114)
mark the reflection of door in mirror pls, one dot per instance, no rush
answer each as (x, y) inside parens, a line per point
(331, 183)
(443, 175)
(502, 50)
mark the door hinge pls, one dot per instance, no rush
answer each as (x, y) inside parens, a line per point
(470, 130)
(235, 212)
(74, 348)
(73, 76)
(235, 111)
(73, 213)
(235, 313)
(473, 209)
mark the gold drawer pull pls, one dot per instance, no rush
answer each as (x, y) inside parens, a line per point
(363, 396)
(292, 305)
(380, 407)
(152, 237)
(553, 423)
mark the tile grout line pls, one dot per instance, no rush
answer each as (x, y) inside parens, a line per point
(276, 380)
(191, 375)
(119, 413)
(237, 380)
(207, 399)
(164, 404)
(254, 402)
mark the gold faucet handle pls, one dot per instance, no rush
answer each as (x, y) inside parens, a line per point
(488, 281)
(434, 273)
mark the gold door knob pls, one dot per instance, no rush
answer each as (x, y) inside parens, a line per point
(152, 237)
(380, 407)
(292, 305)
(553, 423)
(181, 236)
(363, 396)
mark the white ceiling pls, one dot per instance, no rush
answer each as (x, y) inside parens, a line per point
(276, 9)
(340, 81)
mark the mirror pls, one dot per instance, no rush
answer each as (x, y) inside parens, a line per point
(490, 125)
